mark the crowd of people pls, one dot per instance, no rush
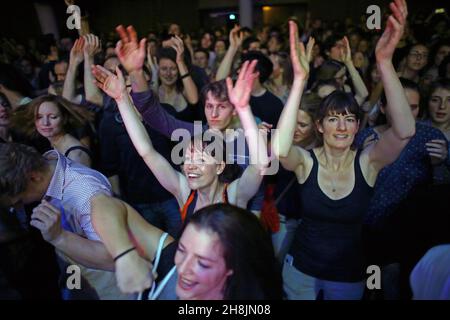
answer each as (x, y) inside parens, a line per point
(275, 163)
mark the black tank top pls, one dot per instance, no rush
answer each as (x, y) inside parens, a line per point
(327, 244)
(78, 148)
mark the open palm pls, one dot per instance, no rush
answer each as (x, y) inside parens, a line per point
(113, 85)
(130, 52)
(300, 58)
(240, 94)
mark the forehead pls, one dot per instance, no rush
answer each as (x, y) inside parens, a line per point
(210, 98)
(111, 63)
(344, 113)
(200, 54)
(202, 242)
(61, 66)
(443, 92)
(167, 62)
(419, 48)
(48, 106)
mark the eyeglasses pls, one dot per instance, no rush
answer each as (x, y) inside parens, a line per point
(419, 55)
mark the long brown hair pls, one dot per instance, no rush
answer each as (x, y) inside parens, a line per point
(73, 116)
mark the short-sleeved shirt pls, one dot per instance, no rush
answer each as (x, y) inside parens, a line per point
(71, 189)
(395, 181)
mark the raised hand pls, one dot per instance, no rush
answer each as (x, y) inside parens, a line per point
(393, 32)
(236, 37)
(130, 52)
(47, 219)
(133, 273)
(309, 49)
(299, 57)
(151, 60)
(346, 52)
(178, 46)
(113, 85)
(240, 94)
(92, 45)
(76, 54)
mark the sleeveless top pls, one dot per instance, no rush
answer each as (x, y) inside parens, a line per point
(328, 244)
(188, 208)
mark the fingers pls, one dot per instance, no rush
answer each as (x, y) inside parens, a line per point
(243, 71)
(122, 34)
(132, 34)
(397, 13)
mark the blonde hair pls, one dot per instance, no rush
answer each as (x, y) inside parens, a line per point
(73, 116)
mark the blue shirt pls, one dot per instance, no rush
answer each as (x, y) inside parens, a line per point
(395, 181)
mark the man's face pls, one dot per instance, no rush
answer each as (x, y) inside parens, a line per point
(200, 59)
(33, 192)
(218, 113)
(61, 71)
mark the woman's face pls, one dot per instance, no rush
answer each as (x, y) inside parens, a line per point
(417, 58)
(168, 72)
(304, 128)
(339, 130)
(277, 70)
(220, 48)
(201, 267)
(358, 60)
(375, 75)
(48, 121)
(206, 41)
(200, 168)
(439, 106)
(273, 45)
(4, 112)
(315, 51)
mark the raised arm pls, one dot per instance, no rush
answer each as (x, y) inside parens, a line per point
(392, 141)
(293, 157)
(114, 86)
(248, 184)
(236, 38)
(190, 91)
(76, 58)
(361, 92)
(91, 48)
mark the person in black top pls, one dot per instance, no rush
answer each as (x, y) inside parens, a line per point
(337, 182)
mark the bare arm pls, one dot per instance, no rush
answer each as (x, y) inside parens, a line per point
(190, 89)
(361, 92)
(92, 92)
(76, 58)
(90, 253)
(248, 184)
(292, 157)
(114, 86)
(225, 66)
(393, 140)
(113, 220)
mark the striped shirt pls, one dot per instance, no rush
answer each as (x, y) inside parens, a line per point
(71, 189)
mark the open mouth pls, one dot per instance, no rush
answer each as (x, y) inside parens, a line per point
(186, 284)
(192, 176)
(440, 115)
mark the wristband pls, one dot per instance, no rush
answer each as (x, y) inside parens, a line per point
(124, 253)
(185, 75)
